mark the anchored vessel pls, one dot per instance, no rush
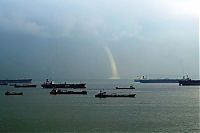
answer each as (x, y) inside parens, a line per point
(13, 93)
(16, 81)
(58, 91)
(51, 84)
(25, 86)
(104, 95)
(165, 80)
(131, 87)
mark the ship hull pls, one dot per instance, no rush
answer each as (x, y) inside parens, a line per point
(55, 92)
(16, 81)
(125, 88)
(157, 80)
(25, 86)
(14, 93)
(189, 83)
(113, 95)
(63, 86)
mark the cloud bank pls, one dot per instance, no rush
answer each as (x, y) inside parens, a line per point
(66, 37)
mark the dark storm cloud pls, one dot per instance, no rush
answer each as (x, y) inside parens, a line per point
(67, 39)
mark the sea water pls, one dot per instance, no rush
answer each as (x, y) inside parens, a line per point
(156, 108)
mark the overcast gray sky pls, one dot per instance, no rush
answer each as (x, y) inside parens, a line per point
(101, 39)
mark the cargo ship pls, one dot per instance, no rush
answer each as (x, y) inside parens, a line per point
(11, 81)
(51, 84)
(165, 80)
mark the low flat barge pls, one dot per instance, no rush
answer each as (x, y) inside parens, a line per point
(13, 93)
(58, 91)
(25, 86)
(10, 81)
(51, 84)
(104, 95)
(131, 87)
(157, 80)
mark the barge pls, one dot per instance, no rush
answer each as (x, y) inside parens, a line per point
(25, 86)
(58, 91)
(13, 93)
(51, 84)
(104, 95)
(131, 87)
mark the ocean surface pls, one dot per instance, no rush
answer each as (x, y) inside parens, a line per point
(156, 108)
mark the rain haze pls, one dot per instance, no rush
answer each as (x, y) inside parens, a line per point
(73, 39)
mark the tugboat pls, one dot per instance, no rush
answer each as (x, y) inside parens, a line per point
(13, 93)
(131, 87)
(104, 95)
(58, 91)
(51, 84)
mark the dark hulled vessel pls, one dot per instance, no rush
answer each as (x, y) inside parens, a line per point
(10, 81)
(58, 91)
(131, 87)
(104, 95)
(143, 79)
(189, 82)
(25, 86)
(13, 93)
(51, 84)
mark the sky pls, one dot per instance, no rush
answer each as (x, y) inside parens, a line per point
(101, 39)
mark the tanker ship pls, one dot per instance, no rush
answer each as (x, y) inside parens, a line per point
(143, 79)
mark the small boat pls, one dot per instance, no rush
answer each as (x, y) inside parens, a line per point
(58, 91)
(131, 87)
(104, 95)
(13, 93)
(24, 86)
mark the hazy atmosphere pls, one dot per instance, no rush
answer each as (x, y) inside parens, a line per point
(73, 39)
